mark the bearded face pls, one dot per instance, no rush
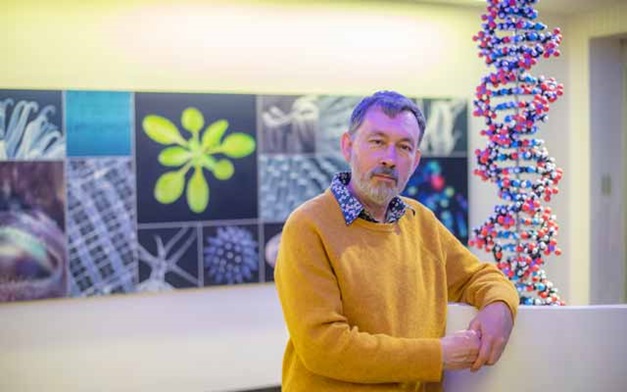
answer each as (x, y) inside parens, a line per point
(382, 153)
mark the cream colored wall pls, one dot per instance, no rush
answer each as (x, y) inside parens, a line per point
(270, 47)
(240, 46)
(581, 28)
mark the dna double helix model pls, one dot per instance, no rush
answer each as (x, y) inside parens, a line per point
(522, 231)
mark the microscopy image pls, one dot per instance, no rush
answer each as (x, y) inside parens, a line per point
(289, 180)
(101, 227)
(31, 125)
(335, 113)
(196, 157)
(304, 124)
(33, 263)
(98, 123)
(288, 124)
(446, 132)
(231, 255)
(441, 184)
(168, 259)
(272, 239)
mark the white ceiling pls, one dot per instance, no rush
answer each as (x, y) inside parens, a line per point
(552, 6)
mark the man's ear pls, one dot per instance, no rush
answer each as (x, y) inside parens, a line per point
(346, 143)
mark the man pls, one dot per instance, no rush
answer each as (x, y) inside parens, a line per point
(364, 275)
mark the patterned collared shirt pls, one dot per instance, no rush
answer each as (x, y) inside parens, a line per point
(353, 209)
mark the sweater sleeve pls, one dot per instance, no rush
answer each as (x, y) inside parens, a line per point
(472, 281)
(323, 338)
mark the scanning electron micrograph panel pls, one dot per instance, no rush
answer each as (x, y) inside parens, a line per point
(447, 127)
(304, 124)
(101, 226)
(272, 239)
(33, 263)
(288, 123)
(168, 259)
(334, 117)
(31, 125)
(289, 180)
(231, 254)
(441, 184)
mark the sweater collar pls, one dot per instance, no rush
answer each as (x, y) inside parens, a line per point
(353, 209)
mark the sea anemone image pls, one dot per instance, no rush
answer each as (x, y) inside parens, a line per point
(26, 132)
(231, 256)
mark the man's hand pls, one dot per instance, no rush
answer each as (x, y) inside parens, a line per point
(493, 324)
(459, 350)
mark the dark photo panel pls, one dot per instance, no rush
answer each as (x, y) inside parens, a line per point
(446, 131)
(289, 180)
(272, 239)
(293, 124)
(441, 184)
(196, 157)
(102, 240)
(335, 113)
(31, 125)
(33, 262)
(288, 123)
(231, 255)
(168, 259)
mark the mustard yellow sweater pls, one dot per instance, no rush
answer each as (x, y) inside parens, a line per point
(365, 304)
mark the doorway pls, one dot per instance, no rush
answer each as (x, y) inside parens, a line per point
(608, 147)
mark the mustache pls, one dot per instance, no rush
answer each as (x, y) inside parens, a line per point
(385, 171)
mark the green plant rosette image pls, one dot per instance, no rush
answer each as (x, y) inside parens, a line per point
(207, 149)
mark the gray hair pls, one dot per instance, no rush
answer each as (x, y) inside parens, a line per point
(391, 103)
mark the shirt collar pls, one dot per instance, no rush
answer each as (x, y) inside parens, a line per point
(353, 209)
